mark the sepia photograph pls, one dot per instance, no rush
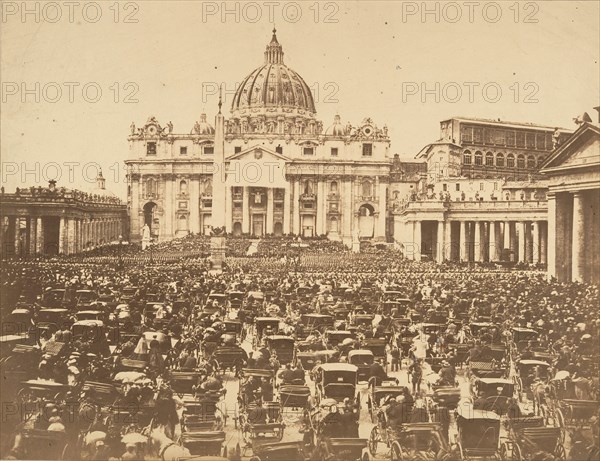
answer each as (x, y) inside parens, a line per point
(363, 230)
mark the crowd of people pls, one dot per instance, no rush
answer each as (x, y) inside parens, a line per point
(143, 305)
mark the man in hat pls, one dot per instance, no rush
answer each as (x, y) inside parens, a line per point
(130, 452)
(447, 374)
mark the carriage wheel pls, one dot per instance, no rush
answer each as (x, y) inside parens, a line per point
(516, 452)
(559, 452)
(504, 449)
(559, 421)
(396, 453)
(373, 440)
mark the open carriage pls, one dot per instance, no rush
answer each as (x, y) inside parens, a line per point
(229, 358)
(478, 434)
(337, 381)
(420, 441)
(528, 436)
(283, 346)
(529, 371)
(264, 326)
(497, 393)
(362, 359)
(378, 395)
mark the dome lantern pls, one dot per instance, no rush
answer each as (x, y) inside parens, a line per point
(274, 52)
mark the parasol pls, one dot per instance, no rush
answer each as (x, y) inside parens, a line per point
(93, 437)
(134, 437)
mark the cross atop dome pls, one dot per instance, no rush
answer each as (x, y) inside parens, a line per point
(274, 52)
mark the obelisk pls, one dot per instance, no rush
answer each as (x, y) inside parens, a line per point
(218, 194)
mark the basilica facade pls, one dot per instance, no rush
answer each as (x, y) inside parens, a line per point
(283, 172)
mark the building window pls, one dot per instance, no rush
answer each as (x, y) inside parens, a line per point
(466, 133)
(478, 158)
(531, 140)
(521, 162)
(489, 159)
(151, 148)
(237, 149)
(531, 162)
(237, 205)
(309, 151)
(183, 187)
(209, 150)
(520, 139)
(444, 187)
(540, 141)
(480, 186)
(279, 150)
(489, 136)
(510, 161)
(308, 187)
(467, 157)
(367, 150)
(510, 138)
(495, 186)
(457, 187)
(333, 187)
(151, 186)
(183, 150)
(500, 159)
(334, 151)
(367, 188)
(477, 135)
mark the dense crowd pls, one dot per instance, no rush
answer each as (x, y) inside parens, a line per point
(178, 295)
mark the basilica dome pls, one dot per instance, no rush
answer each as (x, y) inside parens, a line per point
(202, 126)
(273, 87)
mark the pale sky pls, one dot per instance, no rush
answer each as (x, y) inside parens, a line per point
(363, 58)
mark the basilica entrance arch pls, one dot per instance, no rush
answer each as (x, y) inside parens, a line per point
(151, 218)
(366, 220)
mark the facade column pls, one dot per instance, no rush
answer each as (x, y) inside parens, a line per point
(71, 233)
(320, 208)
(134, 217)
(439, 252)
(246, 210)
(448, 240)
(194, 202)
(492, 253)
(528, 242)
(464, 254)
(39, 236)
(537, 229)
(551, 236)
(543, 242)
(17, 237)
(521, 237)
(62, 236)
(270, 208)
(228, 209)
(578, 239)
(380, 224)
(477, 242)
(345, 206)
(506, 236)
(32, 235)
(296, 207)
(417, 241)
(286, 209)
(513, 241)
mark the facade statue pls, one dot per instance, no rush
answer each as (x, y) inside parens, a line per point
(132, 128)
(170, 127)
(555, 138)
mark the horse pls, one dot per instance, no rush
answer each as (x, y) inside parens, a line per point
(539, 391)
(165, 448)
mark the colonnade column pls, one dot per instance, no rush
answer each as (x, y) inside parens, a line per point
(464, 255)
(578, 239)
(521, 237)
(39, 236)
(439, 253)
(62, 235)
(448, 240)
(537, 251)
(477, 242)
(543, 242)
(417, 240)
(492, 254)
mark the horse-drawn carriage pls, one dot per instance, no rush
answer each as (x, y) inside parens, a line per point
(283, 346)
(478, 433)
(378, 347)
(264, 326)
(362, 359)
(309, 359)
(229, 358)
(337, 381)
(378, 395)
(528, 437)
(335, 433)
(420, 441)
(42, 444)
(528, 372)
(497, 393)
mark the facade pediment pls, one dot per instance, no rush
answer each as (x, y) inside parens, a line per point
(258, 153)
(582, 149)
